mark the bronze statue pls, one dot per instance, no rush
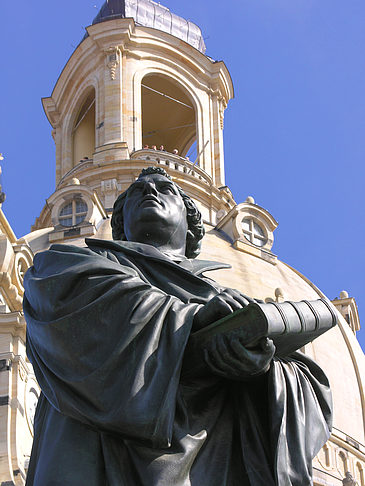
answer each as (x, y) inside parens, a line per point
(348, 480)
(108, 326)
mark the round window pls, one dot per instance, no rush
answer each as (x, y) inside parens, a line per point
(73, 212)
(253, 232)
(32, 393)
(21, 268)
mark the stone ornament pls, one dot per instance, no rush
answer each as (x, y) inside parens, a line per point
(113, 59)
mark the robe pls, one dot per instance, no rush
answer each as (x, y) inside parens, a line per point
(107, 326)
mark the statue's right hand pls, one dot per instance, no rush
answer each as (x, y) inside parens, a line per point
(223, 304)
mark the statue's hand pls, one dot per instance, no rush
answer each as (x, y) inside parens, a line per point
(228, 357)
(223, 304)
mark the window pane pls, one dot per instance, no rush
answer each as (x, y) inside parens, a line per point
(258, 230)
(253, 232)
(80, 218)
(73, 212)
(246, 224)
(66, 209)
(258, 242)
(66, 221)
(81, 206)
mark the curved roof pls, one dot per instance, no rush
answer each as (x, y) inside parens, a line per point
(148, 13)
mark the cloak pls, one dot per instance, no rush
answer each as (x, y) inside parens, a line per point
(107, 327)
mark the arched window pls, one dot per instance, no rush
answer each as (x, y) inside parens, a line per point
(168, 115)
(73, 212)
(327, 457)
(360, 474)
(83, 133)
(324, 456)
(343, 464)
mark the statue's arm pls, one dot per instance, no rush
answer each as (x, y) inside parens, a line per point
(226, 355)
(235, 338)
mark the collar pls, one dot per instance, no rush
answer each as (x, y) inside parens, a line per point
(197, 267)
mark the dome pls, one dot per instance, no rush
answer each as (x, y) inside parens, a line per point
(111, 9)
(151, 14)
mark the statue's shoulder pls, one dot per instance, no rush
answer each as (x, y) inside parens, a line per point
(108, 248)
(97, 244)
(196, 266)
(64, 248)
(202, 266)
(62, 255)
(92, 247)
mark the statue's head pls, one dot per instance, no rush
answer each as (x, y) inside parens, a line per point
(156, 208)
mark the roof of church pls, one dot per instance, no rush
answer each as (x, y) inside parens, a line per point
(148, 13)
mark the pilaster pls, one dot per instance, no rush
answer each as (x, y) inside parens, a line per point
(113, 96)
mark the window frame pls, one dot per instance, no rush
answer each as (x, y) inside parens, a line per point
(74, 215)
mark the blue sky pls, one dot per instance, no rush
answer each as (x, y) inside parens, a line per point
(294, 134)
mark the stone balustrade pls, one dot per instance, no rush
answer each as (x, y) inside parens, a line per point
(174, 162)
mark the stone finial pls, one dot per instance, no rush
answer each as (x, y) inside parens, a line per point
(250, 200)
(74, 182)
(344, 294)
(279, 295)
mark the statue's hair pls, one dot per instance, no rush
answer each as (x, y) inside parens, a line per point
(195, 231)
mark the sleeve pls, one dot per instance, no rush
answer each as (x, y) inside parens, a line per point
(301, 416)
(106, 346)
(285, 419)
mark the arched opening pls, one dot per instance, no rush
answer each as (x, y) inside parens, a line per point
(360, 474)
(327, 457)
(83, 132)
(343, 464)
(324, 456)
(168, 115)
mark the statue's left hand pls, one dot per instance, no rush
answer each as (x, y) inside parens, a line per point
(221, 305)
(228, 357)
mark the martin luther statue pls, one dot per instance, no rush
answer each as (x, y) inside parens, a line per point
(108, 326)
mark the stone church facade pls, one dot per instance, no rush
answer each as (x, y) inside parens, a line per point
(139, 78)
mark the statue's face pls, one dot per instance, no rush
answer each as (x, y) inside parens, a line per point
(154, 207)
